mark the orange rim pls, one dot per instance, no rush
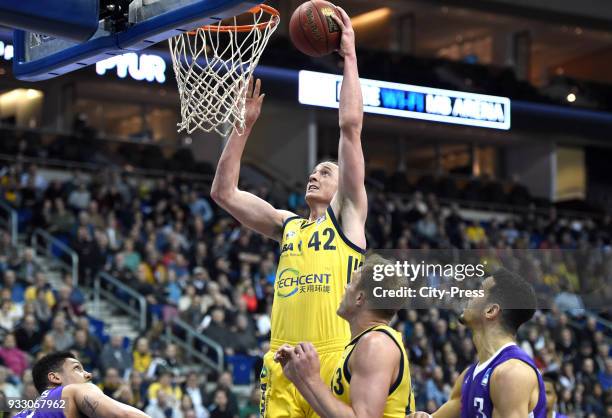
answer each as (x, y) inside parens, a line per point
(274, 16)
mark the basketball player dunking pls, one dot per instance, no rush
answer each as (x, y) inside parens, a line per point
(66, 392)
(505, 382)
(319, 253)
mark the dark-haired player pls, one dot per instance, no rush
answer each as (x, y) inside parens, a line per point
(66, 392)
(551, 395)
(505, 382)
(372, 379)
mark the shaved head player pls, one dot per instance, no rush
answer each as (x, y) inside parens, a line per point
(319, 253)
(505, 383)
(66, 392)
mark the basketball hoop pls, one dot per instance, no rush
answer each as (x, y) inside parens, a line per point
(213, 65)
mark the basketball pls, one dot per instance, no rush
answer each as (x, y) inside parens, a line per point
(312, 29)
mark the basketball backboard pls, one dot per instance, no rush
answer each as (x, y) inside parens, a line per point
(121, 26)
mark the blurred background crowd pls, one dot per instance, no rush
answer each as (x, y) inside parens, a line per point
(167, 240)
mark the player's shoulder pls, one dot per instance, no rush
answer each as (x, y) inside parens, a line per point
(79, 388)
(379, 344)
(512, 372)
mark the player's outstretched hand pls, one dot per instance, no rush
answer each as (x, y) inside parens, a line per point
(347, 41)
(419, 415)
(303, 364)
(253, 103)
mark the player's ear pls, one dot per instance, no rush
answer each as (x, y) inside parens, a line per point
(492, 311)
(54, 377)
(361, 299)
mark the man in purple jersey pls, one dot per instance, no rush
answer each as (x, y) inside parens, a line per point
(66, 392)
(551, 395)
(505, 382)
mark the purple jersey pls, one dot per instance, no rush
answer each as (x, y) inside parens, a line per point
(49, 405)
(475, 393)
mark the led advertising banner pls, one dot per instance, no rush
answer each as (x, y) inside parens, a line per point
(407, 101)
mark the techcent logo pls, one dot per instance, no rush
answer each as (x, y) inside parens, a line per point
(290, 282)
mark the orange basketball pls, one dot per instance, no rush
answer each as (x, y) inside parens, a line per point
(312, 29)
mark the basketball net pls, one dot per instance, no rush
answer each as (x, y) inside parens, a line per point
(213, 65)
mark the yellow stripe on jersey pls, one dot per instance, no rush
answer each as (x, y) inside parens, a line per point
(315, 265)
(400, 401)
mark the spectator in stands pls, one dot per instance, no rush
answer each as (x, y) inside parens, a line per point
(243, 341)
(605, 376)
(80, 197)
(220, 406)
(46, 347)
(170, 361)
(251, 408)
(14, 358)
(61, 221)
(8, 388)
(17, 289)
(26, 268)
(141, 356)
(197, 392)
(138, 395)
(112, 384)
(85, 351)
(115, 356)
(214, 327)
(28, 334)
(436, 389)
(10, 314)
(164, 407)
(165, 384)
(225, 383)
(40, 284)
(42, 310)
(61, 334)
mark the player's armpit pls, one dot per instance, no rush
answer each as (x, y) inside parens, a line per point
(93, 403)
(452, 408)
(512, 385)
(373, 366)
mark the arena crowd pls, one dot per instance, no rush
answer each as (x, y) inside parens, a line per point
(189, 259)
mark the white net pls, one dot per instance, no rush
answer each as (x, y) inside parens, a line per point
(213, 65)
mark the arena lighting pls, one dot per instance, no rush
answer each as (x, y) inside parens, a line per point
(6, 51)
(408, 101)
(571, 97)
(138, 67)
(368, 18)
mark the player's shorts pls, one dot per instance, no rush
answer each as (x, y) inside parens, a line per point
(279, 397)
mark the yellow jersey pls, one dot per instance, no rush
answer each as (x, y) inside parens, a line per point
(400, 401)
(316, 263)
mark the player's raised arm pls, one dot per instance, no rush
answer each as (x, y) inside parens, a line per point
(350, 200)
(248, 209)
(93, 403)
(512, 384)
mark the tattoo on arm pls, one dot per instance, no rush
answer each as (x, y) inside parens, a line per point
(89, 406)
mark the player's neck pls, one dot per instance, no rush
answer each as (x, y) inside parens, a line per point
(316, 211)
(364, 322)
(488, 340)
